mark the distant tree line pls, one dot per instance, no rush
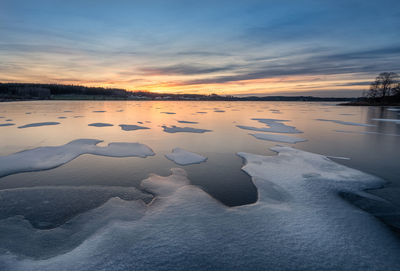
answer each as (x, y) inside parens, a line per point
(385, 88)
(46, 90)
(28, 91)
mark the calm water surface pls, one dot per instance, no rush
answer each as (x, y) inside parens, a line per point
(221, 176)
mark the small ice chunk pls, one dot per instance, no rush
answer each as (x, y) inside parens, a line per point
(189, 122)
(128, 127)
(38, 124)
(347, 122)
(183, 157)
(175, 129)
(397, 121)
(279, 138)
(100, 124)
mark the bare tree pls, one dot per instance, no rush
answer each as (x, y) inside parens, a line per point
(386, 84)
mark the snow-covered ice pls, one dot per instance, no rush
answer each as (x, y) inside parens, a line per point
(100, 124)
(184, 157)
(365, 133)
(50, 157)
(38, 124)
(188, 122)
(175, 129)
(275, 126)
(347, 122)
(300, 222)
(168, 113)
(397, 121)
(279, 138)
(133, 127)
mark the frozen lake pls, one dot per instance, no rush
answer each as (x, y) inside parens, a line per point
(78, 193)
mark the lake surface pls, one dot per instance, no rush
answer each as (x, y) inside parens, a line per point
(69, 195)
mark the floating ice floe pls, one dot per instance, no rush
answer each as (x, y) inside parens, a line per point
(184, 157)
(189, 122)
(100, 124)
(365, 133)
(347, 122)
(38, 124)
(6, 124)
(175, 129)
(397, 121)
(127, 127)
(300, 222)
(279, 138)
(275, 126)
(50, 157)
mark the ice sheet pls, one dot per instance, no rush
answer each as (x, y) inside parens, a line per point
(175, 129)
(279, 138)
(50, 157)
(38, 124)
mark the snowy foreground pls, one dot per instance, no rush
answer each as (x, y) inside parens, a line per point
(298, 223)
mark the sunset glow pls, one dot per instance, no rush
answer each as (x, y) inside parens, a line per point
(241, 48)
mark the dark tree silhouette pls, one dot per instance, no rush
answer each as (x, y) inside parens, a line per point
(386, 84)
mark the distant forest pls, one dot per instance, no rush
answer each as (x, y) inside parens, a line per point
(30, 91)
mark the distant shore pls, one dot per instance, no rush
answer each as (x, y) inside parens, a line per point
(11, 92)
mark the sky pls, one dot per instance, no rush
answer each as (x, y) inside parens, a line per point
(243, 47)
